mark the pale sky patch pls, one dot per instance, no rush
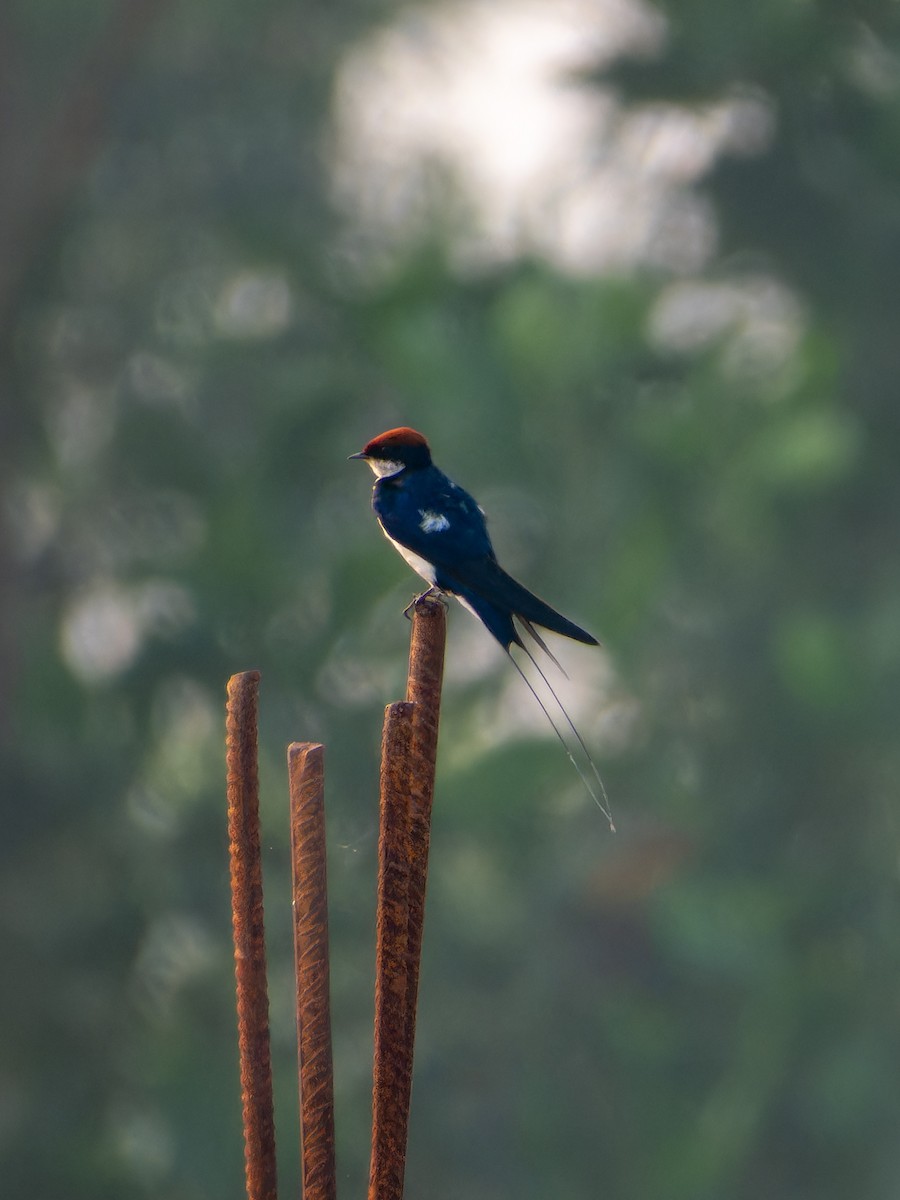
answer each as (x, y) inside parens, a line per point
(483, 93)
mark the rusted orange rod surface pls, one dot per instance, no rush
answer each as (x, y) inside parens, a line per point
(409, 753)
(423, 688)
(306, 769)
(391, 1060)
(249, 936)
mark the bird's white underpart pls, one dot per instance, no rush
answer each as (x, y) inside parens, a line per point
(420, 565)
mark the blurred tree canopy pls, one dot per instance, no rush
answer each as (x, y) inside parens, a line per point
(699, 461)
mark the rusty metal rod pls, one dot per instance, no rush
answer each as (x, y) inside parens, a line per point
(306, 772)
(249, 936)
(423, 688)
(391, 1060)
(409, 754)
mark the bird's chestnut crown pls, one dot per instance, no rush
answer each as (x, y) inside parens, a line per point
(401, 447)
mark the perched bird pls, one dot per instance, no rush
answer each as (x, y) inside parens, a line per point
(441, 531)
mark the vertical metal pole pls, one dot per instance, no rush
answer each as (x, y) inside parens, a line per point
(249, 936)
(409, 752)
(306, 769)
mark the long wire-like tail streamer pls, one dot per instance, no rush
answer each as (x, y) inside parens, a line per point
(604, 804)
(546, 649)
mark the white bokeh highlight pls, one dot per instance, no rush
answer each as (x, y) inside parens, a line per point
(478, 105)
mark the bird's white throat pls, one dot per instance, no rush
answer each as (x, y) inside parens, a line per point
(383, 468)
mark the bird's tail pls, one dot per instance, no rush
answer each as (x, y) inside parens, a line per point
(500, 623)
(532, 609)
(487, 582)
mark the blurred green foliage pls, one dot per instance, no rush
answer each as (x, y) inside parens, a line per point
(704, 1006)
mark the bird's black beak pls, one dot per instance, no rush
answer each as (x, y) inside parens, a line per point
(362, 454)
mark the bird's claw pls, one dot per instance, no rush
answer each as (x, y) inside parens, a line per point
(432, 593)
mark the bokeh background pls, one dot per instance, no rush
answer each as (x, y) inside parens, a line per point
(633, 269)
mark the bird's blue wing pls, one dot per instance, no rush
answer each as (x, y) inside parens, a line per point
(433, 517)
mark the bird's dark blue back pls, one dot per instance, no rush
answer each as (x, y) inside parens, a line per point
(433, 516)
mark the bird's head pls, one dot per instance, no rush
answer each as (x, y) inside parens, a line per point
(395, 451)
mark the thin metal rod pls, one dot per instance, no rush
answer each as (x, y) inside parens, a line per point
(249, 936)
(423, 688)
(409, 753)
(306, 771)
(392, 1061)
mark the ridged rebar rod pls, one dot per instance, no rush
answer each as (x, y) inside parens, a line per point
(423, 689)
(409, 754)
(391, 1059)
(306, 772)
(249, 936)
